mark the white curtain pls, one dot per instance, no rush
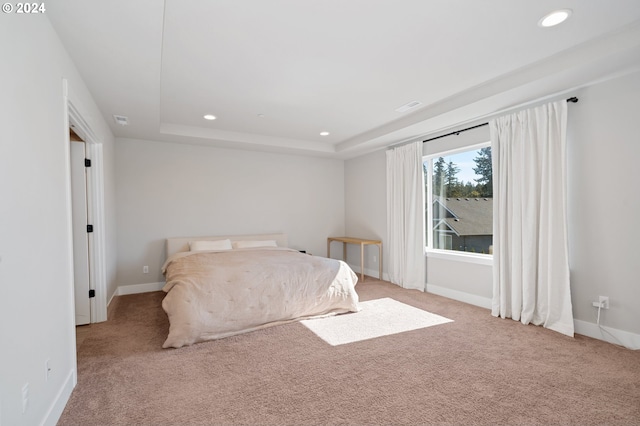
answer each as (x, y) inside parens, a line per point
(405, 216)
(531, 264)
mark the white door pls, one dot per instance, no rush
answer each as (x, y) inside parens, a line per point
(80, 235)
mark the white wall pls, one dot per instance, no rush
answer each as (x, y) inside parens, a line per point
(604, 204)
(36, 280)
(603, 150)
(366, 208)
(173, 190)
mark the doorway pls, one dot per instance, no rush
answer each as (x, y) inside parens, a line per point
(94, 255)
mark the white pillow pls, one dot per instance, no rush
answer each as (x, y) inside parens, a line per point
(256, 243)
(210, 245)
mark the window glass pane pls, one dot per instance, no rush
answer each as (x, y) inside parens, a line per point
(461, 201)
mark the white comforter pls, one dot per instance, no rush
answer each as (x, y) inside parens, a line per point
(216, 294)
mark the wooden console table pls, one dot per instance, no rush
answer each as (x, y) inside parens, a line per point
(362, 242)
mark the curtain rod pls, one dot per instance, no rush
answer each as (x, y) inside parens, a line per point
(457, 132)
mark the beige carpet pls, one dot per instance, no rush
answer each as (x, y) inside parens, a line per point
(377, 318)
(476, 370)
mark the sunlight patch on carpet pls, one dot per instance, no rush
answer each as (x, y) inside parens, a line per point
(380, 317)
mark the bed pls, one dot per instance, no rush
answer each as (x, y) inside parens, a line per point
(227, 285)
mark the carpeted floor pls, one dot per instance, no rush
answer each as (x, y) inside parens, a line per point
(476, 370)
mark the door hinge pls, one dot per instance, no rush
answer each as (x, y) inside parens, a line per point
(92, 293)
(89, 228)
(87, 162)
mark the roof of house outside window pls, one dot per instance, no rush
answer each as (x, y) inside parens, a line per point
(471, 216)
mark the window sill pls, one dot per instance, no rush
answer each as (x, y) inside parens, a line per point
(480, 259)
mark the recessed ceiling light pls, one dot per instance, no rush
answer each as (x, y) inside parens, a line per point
(324, 133)
(209, 117)
(261, 115)
(554, 18)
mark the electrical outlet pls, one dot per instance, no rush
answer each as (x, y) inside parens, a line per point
(145, 269)
(604, 301)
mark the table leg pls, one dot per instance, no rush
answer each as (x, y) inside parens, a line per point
(344, 252)
(362, 261)
(380, 257)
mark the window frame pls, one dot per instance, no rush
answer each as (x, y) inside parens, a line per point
(430, 251)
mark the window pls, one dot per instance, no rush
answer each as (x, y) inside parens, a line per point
(459, 200)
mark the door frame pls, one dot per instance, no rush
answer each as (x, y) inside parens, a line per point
(75, 119)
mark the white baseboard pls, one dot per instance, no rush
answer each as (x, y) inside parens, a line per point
(139, 288)
(58, 404)
(472, 299)
(115, 293)
(612, 335)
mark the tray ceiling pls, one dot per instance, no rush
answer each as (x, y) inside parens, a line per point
(277, 73)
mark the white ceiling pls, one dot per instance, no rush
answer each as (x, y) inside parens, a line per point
(341, 66)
